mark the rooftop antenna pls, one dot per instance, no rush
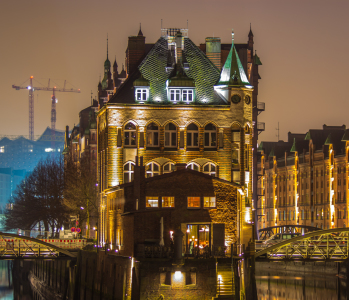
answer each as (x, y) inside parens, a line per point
(278, 132)
(161, 23)
(107, 45)
(91, 98)
(187, 24)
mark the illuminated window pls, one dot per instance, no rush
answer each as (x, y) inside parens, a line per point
(170, 135)
(130, 134)
(142, 94)
(175, 95)
(168, 167)
(192, 136)
(210, 169)
(209, 201)
(187, 95)
(48, 150)
(193, 166)
(152, 201)
(128, 172)
(2, 149)
(153, 169)
(193, 202)
(210, 136)
(168, 201)
(152, 135)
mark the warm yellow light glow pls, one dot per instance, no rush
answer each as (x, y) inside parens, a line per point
(248, 215)
(178, 275)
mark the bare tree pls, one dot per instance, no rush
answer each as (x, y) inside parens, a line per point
(39, 198)
(80, 191)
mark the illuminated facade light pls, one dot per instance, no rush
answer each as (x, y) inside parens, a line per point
(178, 275)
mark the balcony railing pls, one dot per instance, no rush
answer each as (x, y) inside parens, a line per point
(260, 107)
(260, 126)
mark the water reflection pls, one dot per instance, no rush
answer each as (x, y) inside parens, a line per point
(279, 285)
(6, 287)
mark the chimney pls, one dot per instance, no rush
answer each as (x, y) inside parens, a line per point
(139, 177)
(213, 50)
(134, 53)
(178, 47)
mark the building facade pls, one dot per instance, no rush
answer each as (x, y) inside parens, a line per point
(147, 211)
(180, 104)
(304, 181)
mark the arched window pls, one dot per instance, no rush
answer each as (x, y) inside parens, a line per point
(170, 135)
(210, 136)
(193, 166)
(130, 135)
(210, 169)
(192, 136)
(168, 167)
(153, 169)
(129, 168)
(152, 135)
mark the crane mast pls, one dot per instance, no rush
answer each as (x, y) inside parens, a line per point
(31, 110)
(31, 90)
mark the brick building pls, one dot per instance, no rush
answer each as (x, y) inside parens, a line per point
(147, 211)
(304, 181)
(180, 104)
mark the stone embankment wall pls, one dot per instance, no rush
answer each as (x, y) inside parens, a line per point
(105, 275)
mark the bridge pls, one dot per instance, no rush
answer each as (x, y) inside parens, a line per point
(266, 233)
(321, 245)
(13, 246)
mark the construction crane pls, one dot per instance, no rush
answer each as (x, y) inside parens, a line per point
(31, 90)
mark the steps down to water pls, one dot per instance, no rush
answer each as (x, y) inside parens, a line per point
(224, 283)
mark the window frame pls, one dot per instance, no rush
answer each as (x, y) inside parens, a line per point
(188, 93)
(176, 93)
(191, 133)
(151, 171)
(172, 202)
(210, 172)
(130, 131)
(193, 164)
(210, 133)
(143, 92)
(130, 171)
(170, 137)
(194, 207)
(170, 167)
(154, 198)
(209, 201)
(153, 133)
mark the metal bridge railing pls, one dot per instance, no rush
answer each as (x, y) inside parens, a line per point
(331, 244)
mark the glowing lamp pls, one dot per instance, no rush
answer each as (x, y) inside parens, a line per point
(178, 275)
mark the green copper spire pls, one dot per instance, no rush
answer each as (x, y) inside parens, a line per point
(271, 154)
(294, 149)
(256, 59)
(328, 140)
(233, 72)
(260, 147)
(346, 136)
(307, 136)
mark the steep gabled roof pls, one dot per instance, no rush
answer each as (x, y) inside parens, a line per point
(158, 67)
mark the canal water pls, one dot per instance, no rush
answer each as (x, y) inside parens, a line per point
(6, 282)
(271, 285)
(304, 286)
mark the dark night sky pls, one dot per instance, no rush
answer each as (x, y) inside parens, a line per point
(303, 46)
